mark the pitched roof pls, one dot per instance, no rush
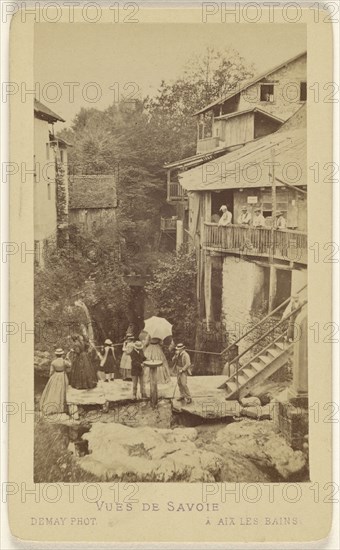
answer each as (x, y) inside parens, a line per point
(249, 166)
(249, 83)
(297, 120)
(199, 158)
(45, 113)
(247, 111)
(92, 192)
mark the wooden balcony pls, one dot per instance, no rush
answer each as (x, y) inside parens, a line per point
(288, 245)
(175, 192)
(168, 225)
(206, 145)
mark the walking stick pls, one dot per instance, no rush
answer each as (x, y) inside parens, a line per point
(173, 397)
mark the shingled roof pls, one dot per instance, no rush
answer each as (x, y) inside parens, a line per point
(45, 113)
(92, 192)
(249, 166)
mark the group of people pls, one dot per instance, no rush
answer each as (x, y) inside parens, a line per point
(79, 368)
(246, 219)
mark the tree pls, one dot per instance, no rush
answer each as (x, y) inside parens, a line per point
(133, 140)
(205, 78)
(88, 268)
(172, 291)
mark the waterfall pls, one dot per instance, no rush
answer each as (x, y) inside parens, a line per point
(89, 328)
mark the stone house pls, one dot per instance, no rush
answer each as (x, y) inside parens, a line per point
(50, 180)
(244, 272)
(242, 268)
(251, 152)
(93, 202)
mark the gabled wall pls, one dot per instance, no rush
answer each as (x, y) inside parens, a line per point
(45, 213)
(286, 90)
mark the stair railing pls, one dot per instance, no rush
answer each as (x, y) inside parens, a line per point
(261, 322)
(283, 320)
(257, 325)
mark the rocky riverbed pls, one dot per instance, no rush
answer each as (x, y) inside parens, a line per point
(243, 451)
(134, 442)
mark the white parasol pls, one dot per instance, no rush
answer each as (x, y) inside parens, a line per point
(158, 327)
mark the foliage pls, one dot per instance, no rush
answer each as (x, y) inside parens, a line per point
(134, 139)
(88, 268)
(173, 293)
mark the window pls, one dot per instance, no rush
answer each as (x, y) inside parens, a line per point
(47, 151)
(61, 156)
(303, 91)
(49, 191)
(267, 93)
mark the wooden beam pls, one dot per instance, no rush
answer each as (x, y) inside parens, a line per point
(290, 186)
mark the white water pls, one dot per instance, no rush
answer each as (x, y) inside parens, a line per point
(89, 327)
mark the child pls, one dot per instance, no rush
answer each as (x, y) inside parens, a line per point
(108, 361)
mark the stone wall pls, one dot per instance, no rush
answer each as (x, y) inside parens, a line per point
(299, 279)
(61, 202)
(91, 219)
(286, 90)
(243, 290)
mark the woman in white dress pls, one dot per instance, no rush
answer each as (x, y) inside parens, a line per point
(125, 362)
(153, 352)
(53, 399)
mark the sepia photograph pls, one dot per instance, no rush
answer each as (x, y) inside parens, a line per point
(170, 253)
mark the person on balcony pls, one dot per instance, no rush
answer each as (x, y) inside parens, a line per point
(258, 219)
(280, 221)
(245, 217)
(226, 217)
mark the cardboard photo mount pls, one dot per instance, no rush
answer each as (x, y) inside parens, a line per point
(149, 512)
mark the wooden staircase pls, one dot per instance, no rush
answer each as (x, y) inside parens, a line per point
(261, 366)
(264, 363)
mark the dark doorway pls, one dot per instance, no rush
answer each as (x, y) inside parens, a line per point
(218, 199)
(283, 286)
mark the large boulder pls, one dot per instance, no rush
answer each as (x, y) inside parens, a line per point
(260, 442)
(148, 454)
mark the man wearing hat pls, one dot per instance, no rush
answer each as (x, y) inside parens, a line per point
(245, 217)
(137, 359)
(258, 219)
(226, 217)
(280, 221)
(182, 364)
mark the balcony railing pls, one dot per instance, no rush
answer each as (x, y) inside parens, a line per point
(285, 244)
(175, 192)
(207, 144)
(168, 224)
